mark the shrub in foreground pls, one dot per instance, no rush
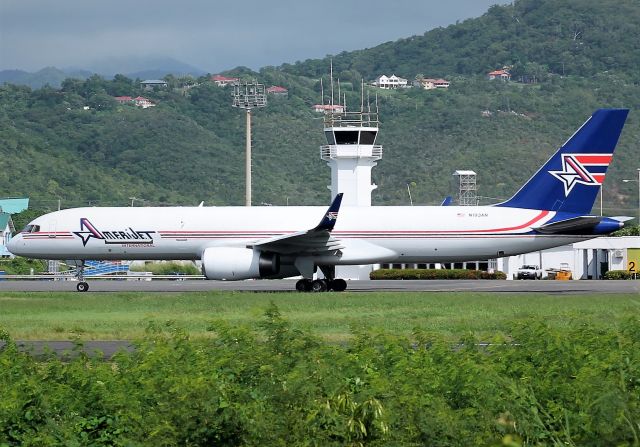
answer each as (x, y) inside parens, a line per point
(620, 274)
(434, 274)
(271, 384)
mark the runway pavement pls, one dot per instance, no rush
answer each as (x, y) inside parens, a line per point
(157, 286)
(67, 349)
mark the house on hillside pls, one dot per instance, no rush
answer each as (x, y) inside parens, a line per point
(277, 91)
(124, 99)
(328, 108)
(503, 75)
(390, 82)
(140, 101)
(223, 81)
(143, 102)
(151, 83)
(431, 84)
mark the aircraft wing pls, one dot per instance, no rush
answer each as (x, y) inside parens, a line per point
(316, 241)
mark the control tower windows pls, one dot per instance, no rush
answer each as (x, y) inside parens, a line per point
(351, 137)
(346, 136)
(329, 135)
(368, 136)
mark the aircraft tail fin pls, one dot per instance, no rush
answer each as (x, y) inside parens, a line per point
(571, 178)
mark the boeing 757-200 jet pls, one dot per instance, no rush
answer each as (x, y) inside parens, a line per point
(552, 209)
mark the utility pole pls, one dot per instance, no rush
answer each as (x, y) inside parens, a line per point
(248, 95)
(634, 181)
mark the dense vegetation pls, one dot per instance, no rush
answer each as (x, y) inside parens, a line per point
(22, 266)
(190, 147)
(270, 384)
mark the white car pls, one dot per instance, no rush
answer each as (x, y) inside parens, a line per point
(529, 272)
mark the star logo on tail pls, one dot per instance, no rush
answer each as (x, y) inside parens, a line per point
(576, 170)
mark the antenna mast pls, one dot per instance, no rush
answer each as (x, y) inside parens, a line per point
(331, 84)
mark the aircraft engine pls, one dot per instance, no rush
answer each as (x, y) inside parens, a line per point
(234, 263)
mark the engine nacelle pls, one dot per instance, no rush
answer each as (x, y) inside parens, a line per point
(234, 263)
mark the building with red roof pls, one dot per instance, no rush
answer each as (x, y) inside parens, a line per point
(430, 84)
(277, 90)
(500, 74)
(143, 102)
(328, 108)
(124, 99)
(223, 81)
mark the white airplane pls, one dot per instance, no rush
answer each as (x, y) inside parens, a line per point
(551, 209)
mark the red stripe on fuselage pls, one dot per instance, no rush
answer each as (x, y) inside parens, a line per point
(540, 216)
(251, 234)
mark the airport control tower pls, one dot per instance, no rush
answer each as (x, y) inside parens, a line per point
(351, 152)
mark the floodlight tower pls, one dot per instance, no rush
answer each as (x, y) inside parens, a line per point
(351, 151)
(248, 95)
(467, 191)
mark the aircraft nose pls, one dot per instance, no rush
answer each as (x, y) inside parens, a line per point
(14, 244)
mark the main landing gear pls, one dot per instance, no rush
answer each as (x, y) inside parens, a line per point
(82, 286)
(323, 285)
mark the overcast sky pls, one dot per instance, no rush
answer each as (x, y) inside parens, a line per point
(210, 34)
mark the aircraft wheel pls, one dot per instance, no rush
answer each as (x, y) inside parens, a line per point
(303, 285)
(82, 286)
(339, 285)
(319, 285)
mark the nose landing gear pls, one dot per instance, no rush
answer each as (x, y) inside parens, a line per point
(82, 286)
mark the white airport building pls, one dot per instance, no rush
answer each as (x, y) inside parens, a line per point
(586, 260)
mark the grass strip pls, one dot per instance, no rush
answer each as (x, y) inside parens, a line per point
(331, 316)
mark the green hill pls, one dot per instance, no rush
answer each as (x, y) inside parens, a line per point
(190, 147)
(567, 37)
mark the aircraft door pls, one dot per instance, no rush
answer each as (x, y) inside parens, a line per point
(52, 228)
(181, 225)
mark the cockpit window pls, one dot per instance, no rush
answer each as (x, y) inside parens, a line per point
(31, 229)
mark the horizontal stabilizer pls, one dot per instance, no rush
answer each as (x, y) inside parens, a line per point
(573, 225)
(589, 225)
(623, 218)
